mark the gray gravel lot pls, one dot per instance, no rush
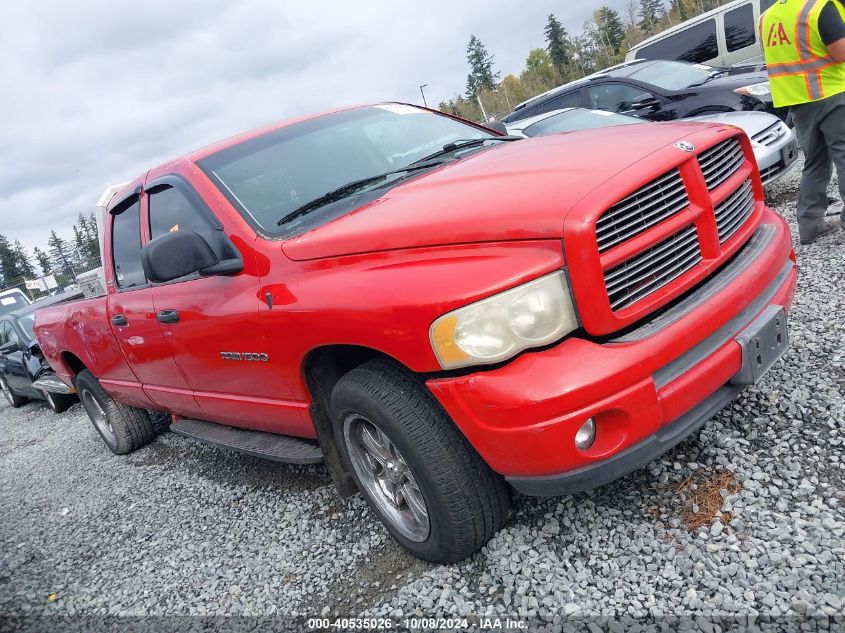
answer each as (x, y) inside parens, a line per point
(181, 528)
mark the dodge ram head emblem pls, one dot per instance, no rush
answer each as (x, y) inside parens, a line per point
(685, 146)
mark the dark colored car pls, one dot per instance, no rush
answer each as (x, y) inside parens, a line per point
(24, 374)
(657, 91)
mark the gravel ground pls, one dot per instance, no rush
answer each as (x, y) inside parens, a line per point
(745, 520)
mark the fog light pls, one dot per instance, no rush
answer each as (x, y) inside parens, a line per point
(586, 435)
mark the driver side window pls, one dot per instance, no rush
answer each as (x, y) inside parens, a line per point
(171, 211)
(615, 97)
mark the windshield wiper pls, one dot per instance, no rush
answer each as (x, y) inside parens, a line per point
(350, 188)
(710, 78)
(463, 143)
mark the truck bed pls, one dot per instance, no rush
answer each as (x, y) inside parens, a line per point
(77, 330)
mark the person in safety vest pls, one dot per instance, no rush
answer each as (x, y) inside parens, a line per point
(804, 42)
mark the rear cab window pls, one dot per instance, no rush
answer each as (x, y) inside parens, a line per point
(696, 44)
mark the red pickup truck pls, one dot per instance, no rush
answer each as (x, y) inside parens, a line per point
(439, 313)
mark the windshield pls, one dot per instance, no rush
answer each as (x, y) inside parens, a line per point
(269, 177)
(12, 301)
(27, 322)
(673, 75)
(578, 120)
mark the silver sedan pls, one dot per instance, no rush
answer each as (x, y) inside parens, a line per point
(775, 145)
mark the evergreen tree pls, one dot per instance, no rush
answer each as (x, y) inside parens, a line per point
(609, 29)
(650, 12)
(92, 234)
(556, 44)
(43, 261)
(8, 270)
(22, 264)
(86, 250)
(60, 254)
(481, 76)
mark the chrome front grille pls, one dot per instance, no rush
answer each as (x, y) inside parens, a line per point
(771, 134)
(734, 211)
(652, 269)
(720, 162)
(648, 206)
(642, 218)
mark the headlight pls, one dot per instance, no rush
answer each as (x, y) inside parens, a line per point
(494, 329)
(763, 89)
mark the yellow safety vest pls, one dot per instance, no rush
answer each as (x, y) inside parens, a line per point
(801, 68)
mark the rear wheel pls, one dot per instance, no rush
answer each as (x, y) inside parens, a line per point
(123, 428)
(11, 397)
(422, 478)
(59, 402)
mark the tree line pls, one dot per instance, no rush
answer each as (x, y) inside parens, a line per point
(62, 258)
(603, 41)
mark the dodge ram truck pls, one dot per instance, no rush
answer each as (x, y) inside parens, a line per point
(441, 314)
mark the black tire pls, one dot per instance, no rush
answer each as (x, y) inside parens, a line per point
(466, 502)
(59, 402)
(12, 398)
(160, 421)
(124, 429)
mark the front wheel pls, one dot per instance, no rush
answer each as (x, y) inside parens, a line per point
(11, 397)
(419, 474)
(124, 429)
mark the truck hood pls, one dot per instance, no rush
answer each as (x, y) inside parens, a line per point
(512, 191)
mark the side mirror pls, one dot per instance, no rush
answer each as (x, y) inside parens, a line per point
(8, 348)
(496, 126)
(176, 255)
(649, 103)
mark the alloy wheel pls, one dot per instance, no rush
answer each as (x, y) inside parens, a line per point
(386, 477)
(98, 415)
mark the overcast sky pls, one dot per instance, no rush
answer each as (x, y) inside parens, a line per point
(96, 91)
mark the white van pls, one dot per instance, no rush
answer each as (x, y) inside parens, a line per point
(722, 37)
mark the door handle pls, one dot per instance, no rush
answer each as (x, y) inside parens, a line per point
(168, 316)
(119, 320)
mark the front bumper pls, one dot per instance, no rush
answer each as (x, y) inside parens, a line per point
(775, 160)
(631, 458)
(646, 390)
